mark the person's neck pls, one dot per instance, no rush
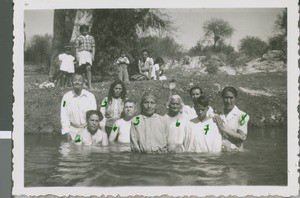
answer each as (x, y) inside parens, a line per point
(227, 111)
(173, 114)
(114, 97)
(78, 92)
(127, 118)
(203, 120)
(148, 115)
(92, 131)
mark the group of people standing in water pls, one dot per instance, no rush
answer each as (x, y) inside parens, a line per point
(182, 129)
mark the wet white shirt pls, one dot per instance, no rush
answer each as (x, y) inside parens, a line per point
(203, 137)
(122, 129)
(234, 120)
(87, 138)
(73, 111)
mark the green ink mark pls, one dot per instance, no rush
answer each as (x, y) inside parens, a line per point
(104, 102)
(137, 121)
(206, 129)
(114, 128)
(64, 104)
(177, 123)
(77, 138)
(242, 122)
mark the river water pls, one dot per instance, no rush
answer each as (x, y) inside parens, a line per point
(51, 161)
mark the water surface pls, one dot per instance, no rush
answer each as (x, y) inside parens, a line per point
(51, 161)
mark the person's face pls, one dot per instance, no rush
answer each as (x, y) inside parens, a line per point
(201, 111)
(77, 82)
(228, 100)
(129, 109)
(196, 93)
(149, 106)
(117, 91)
(84, 32)
(145, 55)
(175, 105)
(93, 123)
(123, 55)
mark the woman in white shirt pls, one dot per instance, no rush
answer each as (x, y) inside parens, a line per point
(233, 123)
(112, 106)
(92, 135)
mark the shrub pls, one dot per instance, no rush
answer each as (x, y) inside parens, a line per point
(253, 47)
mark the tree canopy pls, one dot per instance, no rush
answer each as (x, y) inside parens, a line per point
(253, 46)
(218, 30)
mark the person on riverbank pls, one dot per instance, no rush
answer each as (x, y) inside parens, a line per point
(195, 93)
(85, 53)
(91, 134)
(233, 123)
(66, 66)
(112, 106)
(155, 70)
(204, 135)
(123, 63)
(146, 64)
(149, 132)
(178, 123)
(74, 106)
(121, 128)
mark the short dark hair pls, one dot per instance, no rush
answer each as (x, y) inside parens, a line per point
(129, 101)
(93, 112)
(145, 50)
(194, 88)
(77, 74)
(202, 100)
(83, 27)
(229, 89)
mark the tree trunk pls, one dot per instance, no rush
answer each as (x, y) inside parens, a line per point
(82, 17)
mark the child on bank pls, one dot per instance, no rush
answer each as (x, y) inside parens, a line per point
(123, 63)
(85, 53)
(155, 70)
(121, 128)
(66, 61)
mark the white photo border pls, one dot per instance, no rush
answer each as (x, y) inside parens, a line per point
(18, 106)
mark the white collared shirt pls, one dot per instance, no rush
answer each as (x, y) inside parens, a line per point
(74, 108)
(233, 121)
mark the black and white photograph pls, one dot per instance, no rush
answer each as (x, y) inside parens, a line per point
(117, 99)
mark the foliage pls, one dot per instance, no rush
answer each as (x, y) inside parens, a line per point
(115, 30)
(253, 47)
(38, 50)
(162, 47)
(218, 30)
(279, 40)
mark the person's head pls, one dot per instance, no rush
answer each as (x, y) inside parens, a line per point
(148, 104)
(145, 54)
(77, 82)
(84, 30)
(229, 95)
(129, 108)
(93, 117)
(117, 90)
(123, 54)
(175, 104)
(195, 92)
(201, 106)
(67, 49)
(159, 61)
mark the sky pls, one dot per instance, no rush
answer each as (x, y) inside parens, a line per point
(246, 22)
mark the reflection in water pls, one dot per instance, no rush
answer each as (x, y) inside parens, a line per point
(50, 161)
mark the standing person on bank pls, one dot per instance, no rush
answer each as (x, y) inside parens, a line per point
(233, 123)
(66, 66)
(74, 106)
(112, 106)
(123, 63)
(85, 53)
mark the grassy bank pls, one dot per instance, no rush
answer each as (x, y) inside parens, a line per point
(42, 106)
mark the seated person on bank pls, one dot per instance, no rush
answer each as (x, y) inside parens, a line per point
(92, 135)
(204, 135)
(121, 128)
(149, 132)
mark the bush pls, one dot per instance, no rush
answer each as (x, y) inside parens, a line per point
(253, 47)
(38, 51)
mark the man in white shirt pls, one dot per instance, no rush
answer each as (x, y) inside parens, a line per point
(74, 106)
